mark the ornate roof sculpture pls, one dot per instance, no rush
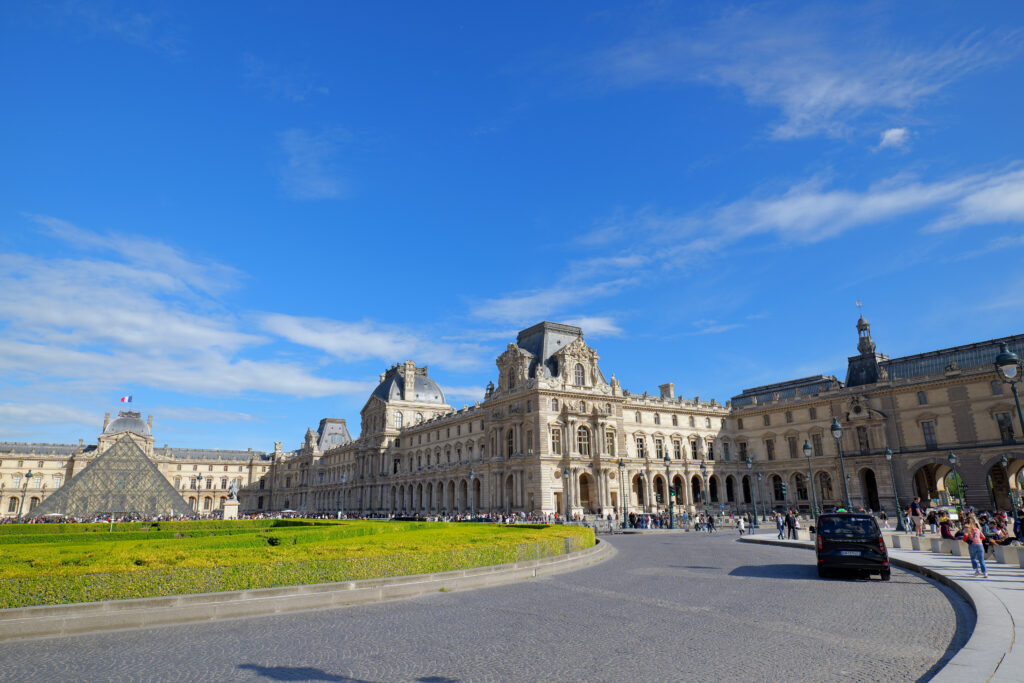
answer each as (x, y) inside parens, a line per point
(120, 481)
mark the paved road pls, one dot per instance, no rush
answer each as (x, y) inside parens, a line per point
(667, 607)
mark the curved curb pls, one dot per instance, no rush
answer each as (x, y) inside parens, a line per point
(990, 641)
(92, 617)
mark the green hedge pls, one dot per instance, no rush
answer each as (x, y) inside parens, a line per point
(141, 583)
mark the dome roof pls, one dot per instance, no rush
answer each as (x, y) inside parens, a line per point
(127, 421)
(425, 390)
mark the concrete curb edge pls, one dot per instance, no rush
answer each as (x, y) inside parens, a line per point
(47, 621)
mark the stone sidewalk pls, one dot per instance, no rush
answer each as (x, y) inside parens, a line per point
(992, 653)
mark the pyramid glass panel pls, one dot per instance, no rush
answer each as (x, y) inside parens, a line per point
(121, 481)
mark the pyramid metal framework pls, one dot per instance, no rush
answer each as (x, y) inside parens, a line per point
(121, 481)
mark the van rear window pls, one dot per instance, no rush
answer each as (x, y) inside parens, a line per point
(854, 527)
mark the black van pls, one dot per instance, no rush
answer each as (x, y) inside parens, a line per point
(851, 541)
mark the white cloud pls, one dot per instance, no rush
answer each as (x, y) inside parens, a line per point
(368, 339)
(897, 138)
(823, 71)
(200, 415)
(294, 85)
(596, 326)
(17, 415)
(998, 198)
(525, 308)
(311, 170)
(464, 394)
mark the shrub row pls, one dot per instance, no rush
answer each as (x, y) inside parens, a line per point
(53, 590)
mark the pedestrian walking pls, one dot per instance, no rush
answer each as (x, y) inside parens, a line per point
(975, 539)
(741, 524)
(780, 525)
(917, 516)
(791, 525)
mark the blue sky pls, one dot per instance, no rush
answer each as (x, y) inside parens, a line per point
(242, 213)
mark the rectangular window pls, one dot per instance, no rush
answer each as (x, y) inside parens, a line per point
(641, 447)
(556, 441)
(997, 387)
(677, 449)
(767, 420)
(816, 442)
(739, 423)
(928, 429)
(743, 450)
(813, 413)
(609, 443)
(725, 450)
(711, 450)
(57, 480)
(922, 398)
(259, 503)
(769, 448)
(659, 449)
(789, 417)
(791, 442)
(693, 450)
(1005, 423)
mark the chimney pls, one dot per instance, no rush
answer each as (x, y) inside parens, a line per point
(150, 421)
(409, 380)
(106, 421)
(668, 390)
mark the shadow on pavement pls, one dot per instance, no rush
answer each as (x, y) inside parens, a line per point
(777, 571)
(297, 673)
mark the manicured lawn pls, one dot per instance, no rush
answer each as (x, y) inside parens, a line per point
(62, 563)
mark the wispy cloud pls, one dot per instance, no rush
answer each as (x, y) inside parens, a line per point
(186, 414)
(311, 169)
(525, 307)
(467, 394)
(823, 70)
(151, 30)
(294, 85)
(894, 138)
(18, 415)
(367, 339)
(596, 326)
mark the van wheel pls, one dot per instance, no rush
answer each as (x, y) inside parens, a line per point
(886, 575)
(822, 572)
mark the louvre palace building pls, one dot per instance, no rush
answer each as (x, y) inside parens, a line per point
(555, 434)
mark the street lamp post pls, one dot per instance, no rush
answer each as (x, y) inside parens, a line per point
(24, 494)
(472, 498)
(704, 474)
(565, 489)
(671, 495)
(810, 471)
(623, 492)
(900, 526)
(1010, 370)
(199, 495)
(960, 483)
(642, 489)
(1006, 468)
(837, 434)
(750, 468)
(344, 491)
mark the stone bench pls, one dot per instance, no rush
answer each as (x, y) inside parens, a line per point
(943, 546)
(1009, 554)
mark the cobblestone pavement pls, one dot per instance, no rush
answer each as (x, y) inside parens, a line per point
(666, 607)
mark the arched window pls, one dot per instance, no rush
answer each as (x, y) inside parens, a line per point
(583, 441)
(398, 420)
(207, 502)
(578, 376)
(511, 379)
(554, 404)
(510, 442)
(777, 487)
(641, 447)
(12, 506)
(707, 421)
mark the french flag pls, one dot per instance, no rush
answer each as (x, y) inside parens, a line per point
(126, 399)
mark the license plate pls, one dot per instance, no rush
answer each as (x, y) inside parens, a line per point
(850, 553)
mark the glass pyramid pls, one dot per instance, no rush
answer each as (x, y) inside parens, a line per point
(121, 481)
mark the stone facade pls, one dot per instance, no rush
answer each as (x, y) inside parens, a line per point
(554, 435)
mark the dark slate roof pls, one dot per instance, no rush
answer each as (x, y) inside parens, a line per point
(968, 356)
(425, 390)
(128, 421)
(333, 432)
(793, 388)
(210, 454)
(25, 448)
(547, 338)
